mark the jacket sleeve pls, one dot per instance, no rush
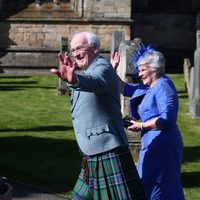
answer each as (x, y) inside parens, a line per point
(167, 103)
(98, 80)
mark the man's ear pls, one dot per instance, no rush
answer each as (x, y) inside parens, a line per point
(95, 48)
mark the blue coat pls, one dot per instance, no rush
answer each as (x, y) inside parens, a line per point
(96, 111)
(160, 158)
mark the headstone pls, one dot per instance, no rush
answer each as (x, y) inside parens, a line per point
(117, 37)
(125, 69)
(194, 105)
(38, 2)
(56, 2)
(194, 97)
(62, 86)
(198, 38)
(125, 72)
(186, 71)
(1, 4)
(198, 30)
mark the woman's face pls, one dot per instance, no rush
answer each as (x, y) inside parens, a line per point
(148, 75)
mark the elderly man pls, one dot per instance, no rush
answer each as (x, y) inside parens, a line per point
(108, 170)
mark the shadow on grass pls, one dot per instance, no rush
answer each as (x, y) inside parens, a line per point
(191, 179)
(181, 91)
(191, 154)
(42, 128)
(182, 94)
(52, 164)
(11, 77)
(19, 85)
(16, 87)
(18, 82)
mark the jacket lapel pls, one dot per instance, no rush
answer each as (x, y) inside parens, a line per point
(74, 97)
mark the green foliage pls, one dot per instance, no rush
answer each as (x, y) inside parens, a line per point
(37, 141)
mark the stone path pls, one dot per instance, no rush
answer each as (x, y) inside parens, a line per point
(24, 192)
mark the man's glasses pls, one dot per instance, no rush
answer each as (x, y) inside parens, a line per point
(78, 49)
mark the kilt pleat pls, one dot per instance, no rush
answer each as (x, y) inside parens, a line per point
(112, 176)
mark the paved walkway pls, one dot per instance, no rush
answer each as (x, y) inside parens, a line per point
(24, 192)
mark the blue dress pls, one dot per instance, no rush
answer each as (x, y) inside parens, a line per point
(160, 158)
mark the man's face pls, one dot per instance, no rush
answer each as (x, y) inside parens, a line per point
(82, 53)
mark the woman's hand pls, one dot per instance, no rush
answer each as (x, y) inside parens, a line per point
(152, 124)
(115, 59)
(136, 126)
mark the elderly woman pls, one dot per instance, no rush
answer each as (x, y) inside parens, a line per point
(154, 108)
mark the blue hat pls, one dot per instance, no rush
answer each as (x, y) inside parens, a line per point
(139, 53)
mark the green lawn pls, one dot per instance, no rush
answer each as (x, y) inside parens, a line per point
(190, 129)
(37, 144)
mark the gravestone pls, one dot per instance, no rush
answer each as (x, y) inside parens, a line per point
(125, 72)
(56, 2)
(62, 86)
(186, 71)
(194, 94)
(117, 37)
(1, 4)
(194, 97)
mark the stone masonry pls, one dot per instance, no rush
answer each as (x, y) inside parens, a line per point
(31, 37)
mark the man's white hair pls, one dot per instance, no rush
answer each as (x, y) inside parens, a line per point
(92, 39)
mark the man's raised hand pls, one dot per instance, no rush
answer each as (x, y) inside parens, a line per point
(67, 69)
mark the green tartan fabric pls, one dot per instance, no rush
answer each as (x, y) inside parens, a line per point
(112, 175)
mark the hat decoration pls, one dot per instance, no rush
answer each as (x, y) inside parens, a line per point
(139, 53)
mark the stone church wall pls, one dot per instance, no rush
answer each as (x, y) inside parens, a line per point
(171, 33)
(30, 38)
(31, 32)
(170, 26)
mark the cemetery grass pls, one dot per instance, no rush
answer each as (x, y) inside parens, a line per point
(37, 142)
(190, 129)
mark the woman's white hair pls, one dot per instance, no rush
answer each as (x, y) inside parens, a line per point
(153, 59)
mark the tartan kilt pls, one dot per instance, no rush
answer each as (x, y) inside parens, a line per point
(112, 175)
